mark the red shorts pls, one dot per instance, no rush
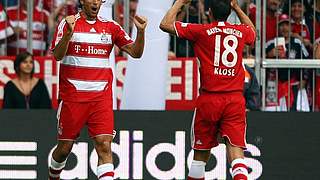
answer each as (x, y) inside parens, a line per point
(219, 113)
(73, 116)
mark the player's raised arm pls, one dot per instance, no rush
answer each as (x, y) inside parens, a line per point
(167, 23)
(135, 49)
(61, 48)
(244, 19)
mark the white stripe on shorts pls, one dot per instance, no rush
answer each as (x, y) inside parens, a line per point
(192, 136)
(58, 114)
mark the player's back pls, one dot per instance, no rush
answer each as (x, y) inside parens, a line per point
(219, 47)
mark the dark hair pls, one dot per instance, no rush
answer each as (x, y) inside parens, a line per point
(19, 59)
(297, 1)
(220, 9)
(287, 5)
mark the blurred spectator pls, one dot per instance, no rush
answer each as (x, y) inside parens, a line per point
(312, 16)
(316, 20)
(61, 9)
(18, 19)
(48, 5)
(317, 51)
(287, 47)
(297, 49)
(132, 12)
(194, 14)
(119, 16)
(5, 28)
(25, 91)
(271, 93)
(251, 90)
(317, 78)
(299, 27)
(133, 6)
(58, 10)
(273, 11)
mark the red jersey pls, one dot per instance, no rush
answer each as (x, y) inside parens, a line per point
(271, 23)
(5, 28)
(301, 29)
(219, 47)
(317, 31)
(18, 18)
(85, 71)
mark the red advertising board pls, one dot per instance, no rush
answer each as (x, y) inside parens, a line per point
(181, 90)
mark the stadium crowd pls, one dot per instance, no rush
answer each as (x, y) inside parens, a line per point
(292, 32)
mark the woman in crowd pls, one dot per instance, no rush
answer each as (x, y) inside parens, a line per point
(25, 91)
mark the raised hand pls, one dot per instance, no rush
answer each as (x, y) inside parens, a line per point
(140, 22)
(234, 4)
(70, 20)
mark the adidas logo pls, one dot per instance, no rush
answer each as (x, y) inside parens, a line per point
(92, 30)
(199, 142)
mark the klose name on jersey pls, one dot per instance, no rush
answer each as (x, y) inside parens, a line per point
(224, 72)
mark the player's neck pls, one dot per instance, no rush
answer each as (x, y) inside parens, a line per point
(85, 15)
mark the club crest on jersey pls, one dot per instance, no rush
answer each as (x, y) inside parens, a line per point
(106, 38)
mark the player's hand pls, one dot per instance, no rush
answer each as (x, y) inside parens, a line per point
(140, 22)
(234, 4)
(70, 20)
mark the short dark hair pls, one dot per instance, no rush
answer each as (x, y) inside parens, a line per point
(296, 1)
(220, 9)
(19, 59)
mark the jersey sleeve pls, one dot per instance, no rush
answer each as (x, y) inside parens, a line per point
(249, 34)
(58, 34)
(121, 37)
(187, 30)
